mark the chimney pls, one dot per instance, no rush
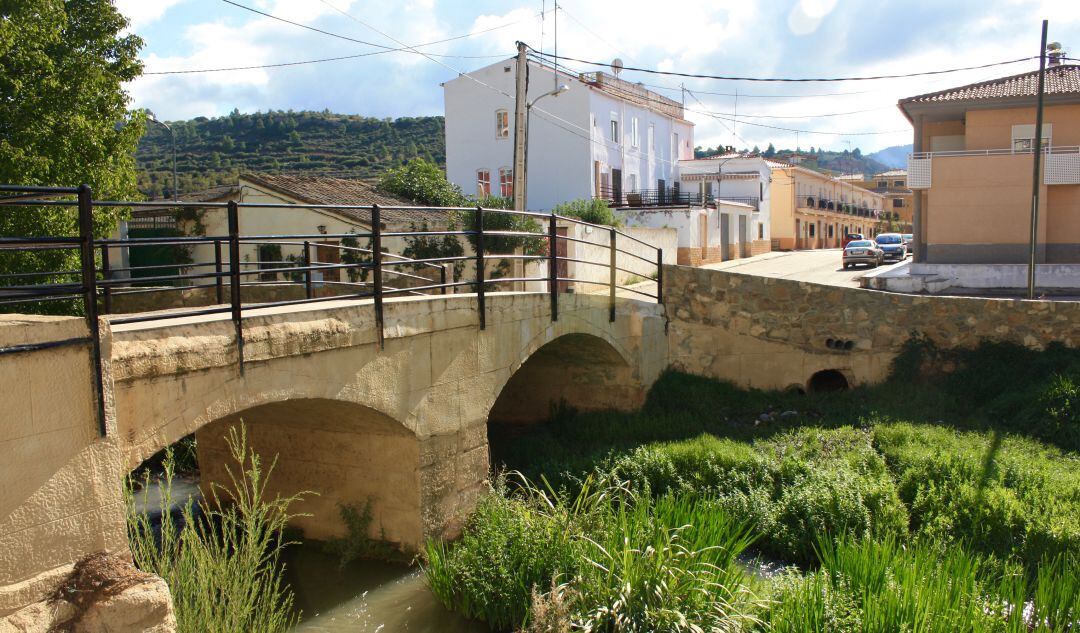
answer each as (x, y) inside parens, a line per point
(1054, 53)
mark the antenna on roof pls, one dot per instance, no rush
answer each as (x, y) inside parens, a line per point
(616, 66)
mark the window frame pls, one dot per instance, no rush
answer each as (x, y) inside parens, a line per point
(635, 141)
(483, 185)
(506, 182)
(502, 128)
(613, 127)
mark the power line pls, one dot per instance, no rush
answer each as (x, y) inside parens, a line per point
(792, 79)
(386, 49)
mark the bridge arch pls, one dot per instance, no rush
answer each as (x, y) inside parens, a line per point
(338, 453)
(586, 370)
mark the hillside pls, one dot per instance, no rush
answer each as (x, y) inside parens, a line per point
(214, 151)
(895, 156)
(833, 163)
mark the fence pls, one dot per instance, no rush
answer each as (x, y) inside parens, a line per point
(94, 284)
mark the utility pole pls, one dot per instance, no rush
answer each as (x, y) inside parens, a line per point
(1035, 169)
(520, 108)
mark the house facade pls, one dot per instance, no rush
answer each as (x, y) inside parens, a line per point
(602, 138)
(892, 184)
(971, 172)
(732, 182)
(814, 210)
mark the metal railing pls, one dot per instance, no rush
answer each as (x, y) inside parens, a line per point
(666, 197)
(374, 272)
(1001, 151)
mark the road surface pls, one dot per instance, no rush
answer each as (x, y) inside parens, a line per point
(819, 266)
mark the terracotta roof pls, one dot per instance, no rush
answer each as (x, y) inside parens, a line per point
(341, 191)
(221, 193)
(892, 172)
(1060, 80)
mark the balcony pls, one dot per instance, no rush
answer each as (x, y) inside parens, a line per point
(1061, 166)
(666, 197)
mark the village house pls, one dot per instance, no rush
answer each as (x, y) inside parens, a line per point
(971, 171)
(814, 210)
(603, 137)
(892, 184)
(306, 219)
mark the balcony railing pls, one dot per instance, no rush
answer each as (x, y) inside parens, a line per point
(666, 197)
(1062, 164)
(818, 203)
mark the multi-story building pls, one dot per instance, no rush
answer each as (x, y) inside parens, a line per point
(971, 171)
(814, 210)
(734, 178)
(603, 137)
(892, 184)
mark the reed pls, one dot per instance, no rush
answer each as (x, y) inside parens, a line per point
(222, 567)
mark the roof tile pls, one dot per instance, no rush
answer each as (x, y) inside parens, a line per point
(1060, 80)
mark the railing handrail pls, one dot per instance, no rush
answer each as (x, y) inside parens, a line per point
(100, 284)
(1002, 151)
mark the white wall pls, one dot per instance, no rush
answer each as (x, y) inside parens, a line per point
(561, 152)
(639, 259)
(737, 187)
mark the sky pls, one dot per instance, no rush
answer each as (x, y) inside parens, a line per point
(745, 38)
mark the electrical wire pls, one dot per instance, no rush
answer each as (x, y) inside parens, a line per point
(791, 79)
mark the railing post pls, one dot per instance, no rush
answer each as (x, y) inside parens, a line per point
(234, 280)
(442, 278)
(219, 283)
(308, 265)
(106, 289)
(553, 267)
(480, 299)
(376, 260)
(613, 266)
(659, 275)
(89, 283)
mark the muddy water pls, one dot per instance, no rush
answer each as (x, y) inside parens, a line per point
(365, 596)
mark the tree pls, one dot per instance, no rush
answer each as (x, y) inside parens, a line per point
(770, 151)
(423, 183)
(64, 117)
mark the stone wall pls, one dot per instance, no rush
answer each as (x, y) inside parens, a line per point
(775, 333)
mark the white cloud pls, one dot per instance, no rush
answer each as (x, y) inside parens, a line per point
(144, 12)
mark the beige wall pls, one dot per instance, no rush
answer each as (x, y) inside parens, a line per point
(60, 499)
(770, 333)
(992, 129)
(791, 216)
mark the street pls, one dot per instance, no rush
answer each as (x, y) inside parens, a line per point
(817, 266)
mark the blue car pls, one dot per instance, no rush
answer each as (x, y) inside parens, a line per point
(892, 245)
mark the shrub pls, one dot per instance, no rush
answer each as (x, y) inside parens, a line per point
(224, 570)
(1006, 496)
(591, 210)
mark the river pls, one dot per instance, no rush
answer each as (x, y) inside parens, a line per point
(365, 596)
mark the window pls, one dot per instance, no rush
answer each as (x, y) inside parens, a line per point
(898, 202)
(652, 137)
(811, 230)
(614, 127)
(633, 182)
(830, 231)
(506, 182)
(675, 143)
(1023, 137)
(898, 183)
(760, 231)
(883, 183)
(634, 142)
(483, 183)
(502, 124)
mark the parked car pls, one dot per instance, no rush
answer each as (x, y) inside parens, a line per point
(851, 237)
(908, 239)
(892, 244)
(863, 252)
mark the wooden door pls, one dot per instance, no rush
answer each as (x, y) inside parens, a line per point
(616, 186)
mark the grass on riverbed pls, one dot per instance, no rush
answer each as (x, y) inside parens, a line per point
(223, 568)
(934, 502)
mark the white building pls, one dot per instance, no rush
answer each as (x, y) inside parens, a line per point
(604, 137)
(734, 178)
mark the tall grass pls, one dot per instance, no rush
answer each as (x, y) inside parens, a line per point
(604, 559)
(223, 569)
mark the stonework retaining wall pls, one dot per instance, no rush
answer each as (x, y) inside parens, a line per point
(775, 333)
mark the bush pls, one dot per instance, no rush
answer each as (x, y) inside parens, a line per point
(590, 210)
(1006, 496)
(223, 569)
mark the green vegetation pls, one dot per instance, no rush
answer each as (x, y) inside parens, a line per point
(222, 564)
(932, 502)
(215, 151)
(589, 210)
(64, 121)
